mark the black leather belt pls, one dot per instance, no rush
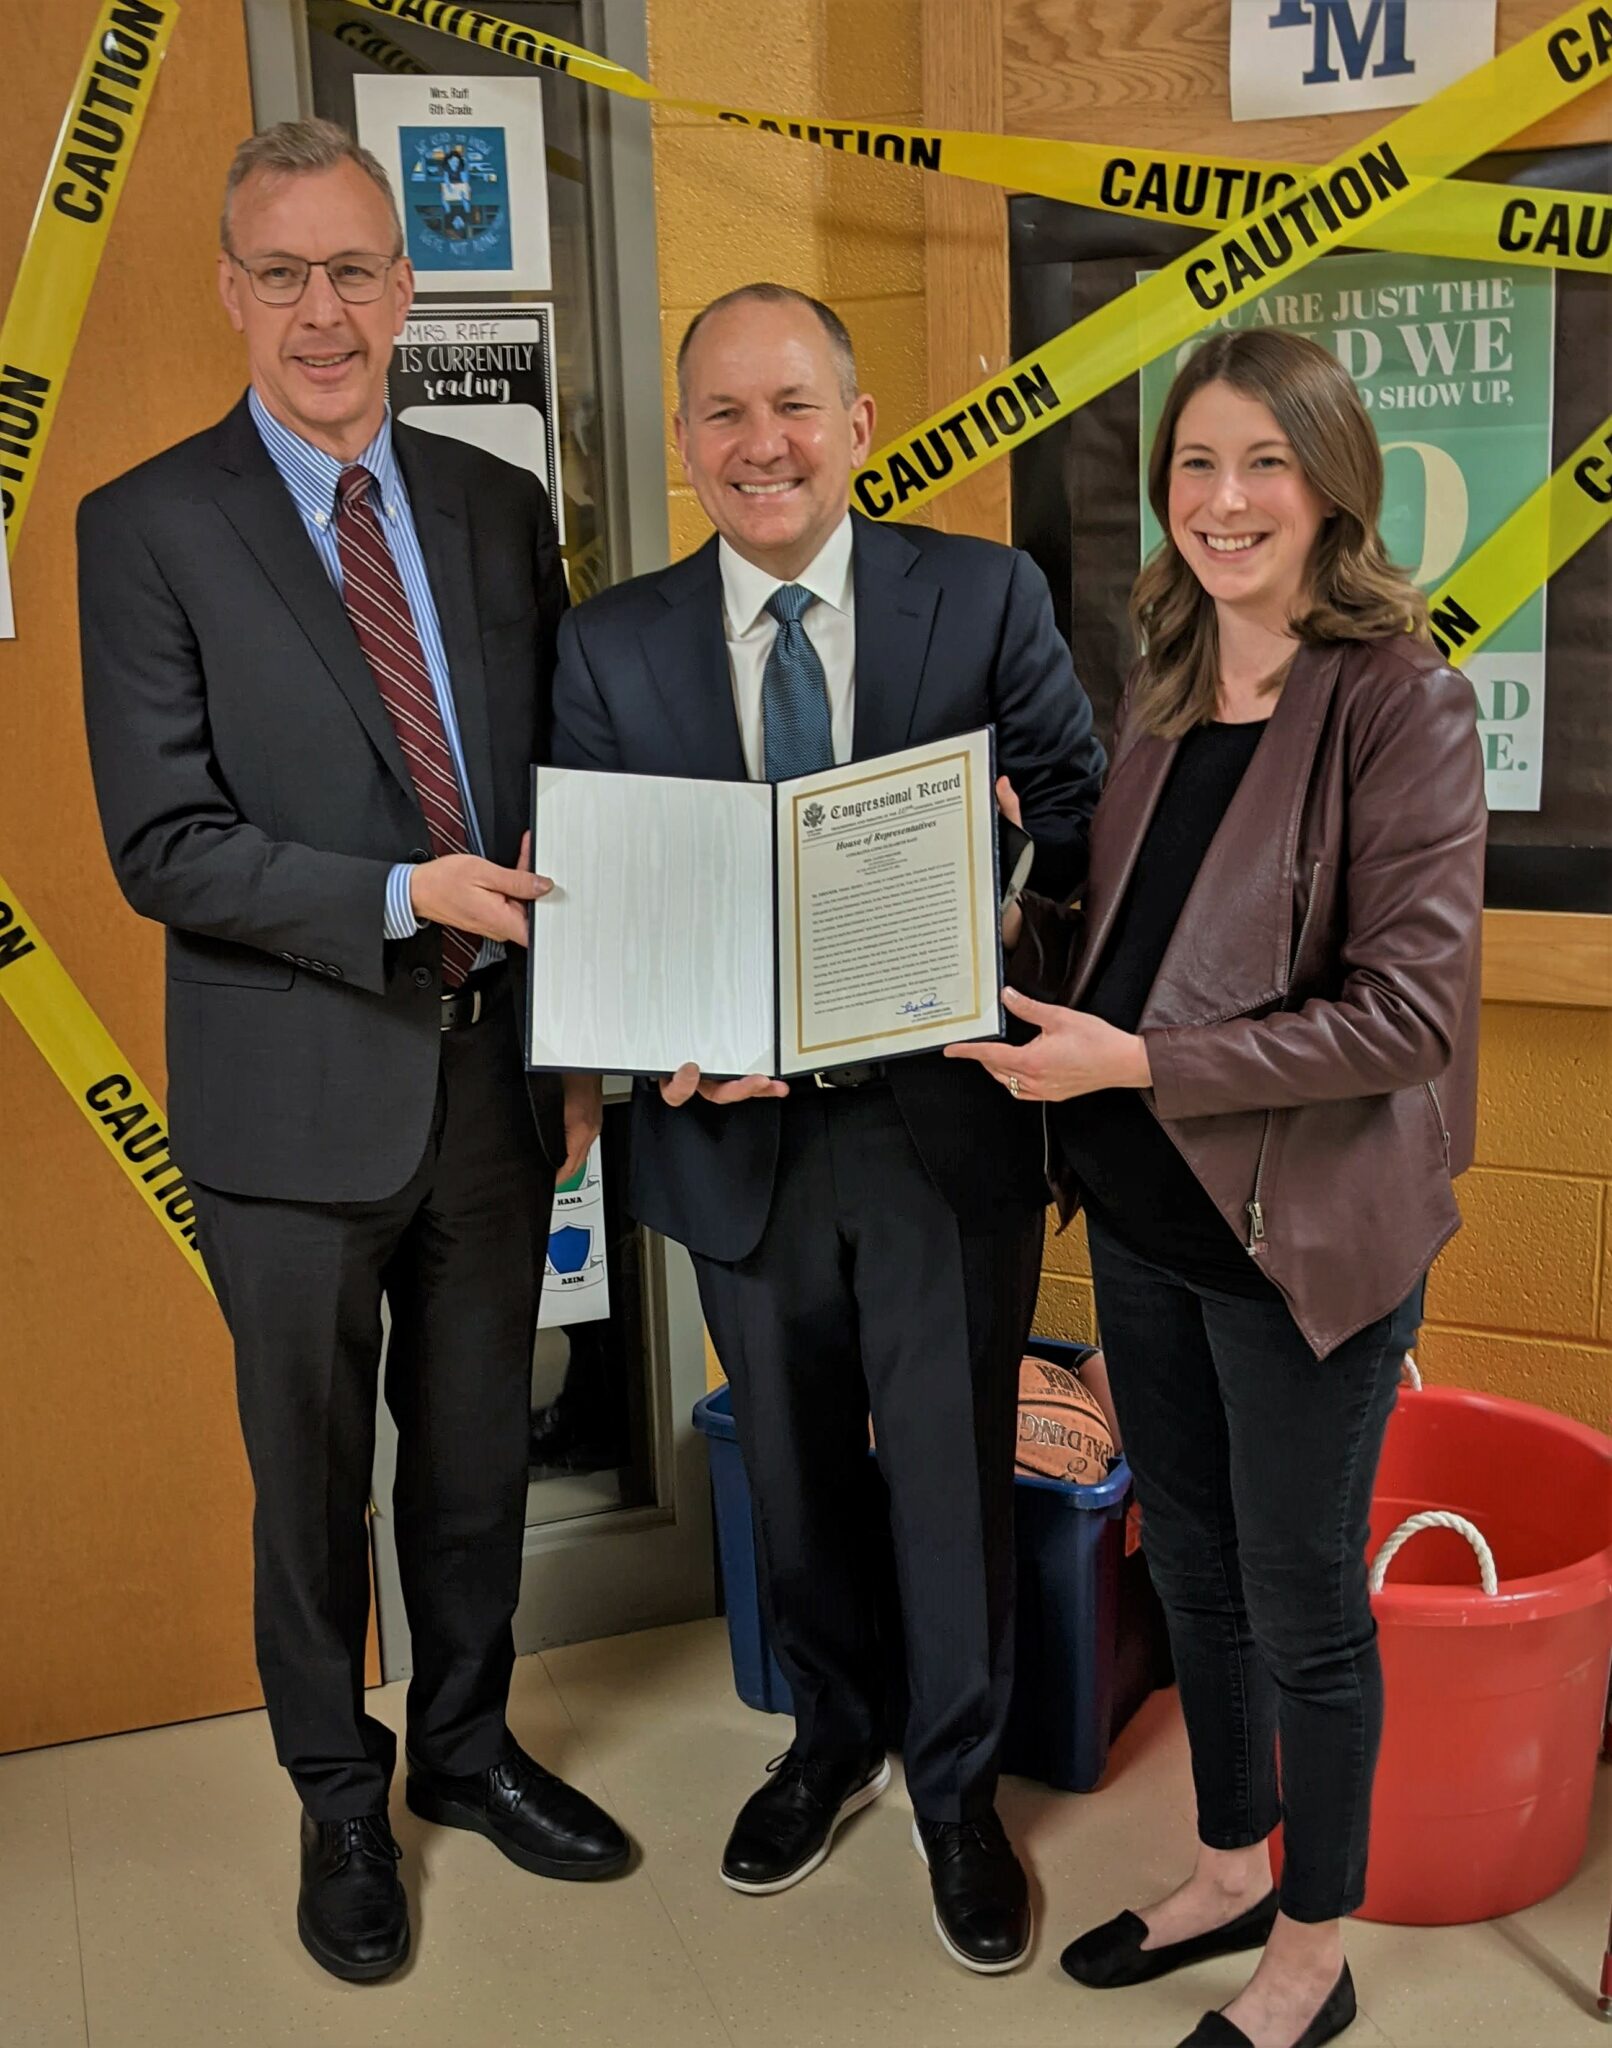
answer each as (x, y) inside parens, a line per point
(851, 1077)
(463, 1006)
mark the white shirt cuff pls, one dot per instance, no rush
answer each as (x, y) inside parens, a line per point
(400, 921)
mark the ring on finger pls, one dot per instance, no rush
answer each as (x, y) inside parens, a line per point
(1013, 1086)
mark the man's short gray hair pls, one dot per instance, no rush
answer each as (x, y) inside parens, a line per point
(839, 338)
(291, 148)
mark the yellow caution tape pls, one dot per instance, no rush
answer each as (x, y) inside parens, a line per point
(1346, 199)
(76, 204)
(1569, 509)
(1558, 230)
(364, 39)
(1460, 217)
(51, 1008)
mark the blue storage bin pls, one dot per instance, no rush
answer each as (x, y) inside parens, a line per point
(1089, 1640)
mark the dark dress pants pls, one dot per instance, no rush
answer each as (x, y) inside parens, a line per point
(1254, 1463)
(864, 1291)
(457, 1254)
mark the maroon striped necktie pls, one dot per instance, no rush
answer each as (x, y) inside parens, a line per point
(379, 609)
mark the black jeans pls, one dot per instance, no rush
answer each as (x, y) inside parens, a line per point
(1254, 1463)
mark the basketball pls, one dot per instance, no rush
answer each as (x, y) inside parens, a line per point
(1062, 1430)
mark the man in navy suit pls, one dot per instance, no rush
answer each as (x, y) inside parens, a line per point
(870, 1236)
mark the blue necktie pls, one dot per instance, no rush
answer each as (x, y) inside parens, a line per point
(794, 694)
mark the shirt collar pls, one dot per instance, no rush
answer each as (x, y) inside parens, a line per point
(311, 475)
(746, 589)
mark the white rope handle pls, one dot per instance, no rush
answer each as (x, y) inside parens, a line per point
(1410, 1373)
(1436, 1518)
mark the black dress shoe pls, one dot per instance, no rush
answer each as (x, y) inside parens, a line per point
(786, 1829)
(982, 1901)
(539, 1821)
(1214, 2030)
(1109, 1957)
(351, 1912)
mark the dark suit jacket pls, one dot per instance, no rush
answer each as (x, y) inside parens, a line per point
(254, 796)
(951, 634)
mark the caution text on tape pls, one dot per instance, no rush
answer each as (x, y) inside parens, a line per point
(76, 205)
(51, 1008)
(1566, 512)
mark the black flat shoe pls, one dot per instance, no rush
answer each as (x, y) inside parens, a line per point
(540, 1822)
(1110, 1957)
(1214, 2030)
(982, 1901)
(785, 1830)
(351, 1912)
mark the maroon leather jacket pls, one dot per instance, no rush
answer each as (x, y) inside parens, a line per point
(1312, 1031)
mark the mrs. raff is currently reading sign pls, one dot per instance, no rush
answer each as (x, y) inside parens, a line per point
(485, 374)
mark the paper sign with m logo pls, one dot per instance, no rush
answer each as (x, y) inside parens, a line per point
(1337, 56)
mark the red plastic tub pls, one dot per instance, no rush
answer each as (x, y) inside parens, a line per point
(1494, 1703)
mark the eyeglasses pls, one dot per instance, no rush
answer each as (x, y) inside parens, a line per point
(356, 275)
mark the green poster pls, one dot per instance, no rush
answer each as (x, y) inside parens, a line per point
(1454, 362)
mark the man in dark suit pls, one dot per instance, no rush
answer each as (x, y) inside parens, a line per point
(872, 1235)
(317, 656)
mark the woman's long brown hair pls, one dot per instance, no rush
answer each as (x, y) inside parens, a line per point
(1354, 591)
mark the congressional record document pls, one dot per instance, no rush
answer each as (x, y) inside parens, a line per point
(766, 928)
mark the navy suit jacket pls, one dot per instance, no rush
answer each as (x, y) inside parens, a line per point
(952, 633)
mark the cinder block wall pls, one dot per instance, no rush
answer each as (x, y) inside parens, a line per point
(1521, 1302)
(734, 207)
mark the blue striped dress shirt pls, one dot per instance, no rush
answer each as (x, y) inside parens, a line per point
(310, 475)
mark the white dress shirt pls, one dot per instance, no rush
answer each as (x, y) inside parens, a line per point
(750, 629)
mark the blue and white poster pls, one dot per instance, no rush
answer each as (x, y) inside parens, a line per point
(455, 199)
(576, 1278)
(466, 160)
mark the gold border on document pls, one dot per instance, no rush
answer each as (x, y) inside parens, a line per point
(799, 1049)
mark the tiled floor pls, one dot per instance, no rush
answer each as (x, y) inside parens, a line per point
(147, 1885)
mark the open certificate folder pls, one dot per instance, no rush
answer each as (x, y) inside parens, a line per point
(762, 928)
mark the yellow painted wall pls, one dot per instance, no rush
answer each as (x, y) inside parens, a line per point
(1521, 1302)
(733, 208)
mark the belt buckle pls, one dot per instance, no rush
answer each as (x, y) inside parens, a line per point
(452, 1013)
(822, 1080)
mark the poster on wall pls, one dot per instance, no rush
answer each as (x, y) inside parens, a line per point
(1341, 56)
(466, 160)
(576, 1280)
(485, 374)
(1454, 361)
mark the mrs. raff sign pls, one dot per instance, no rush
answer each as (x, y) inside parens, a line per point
(1339, 56)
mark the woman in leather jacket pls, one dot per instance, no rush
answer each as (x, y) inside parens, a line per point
(1257, 1045)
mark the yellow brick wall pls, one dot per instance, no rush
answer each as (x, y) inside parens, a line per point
(1521, 1302)
(732, 208)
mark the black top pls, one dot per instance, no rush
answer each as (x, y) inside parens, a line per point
(1133, 1179)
